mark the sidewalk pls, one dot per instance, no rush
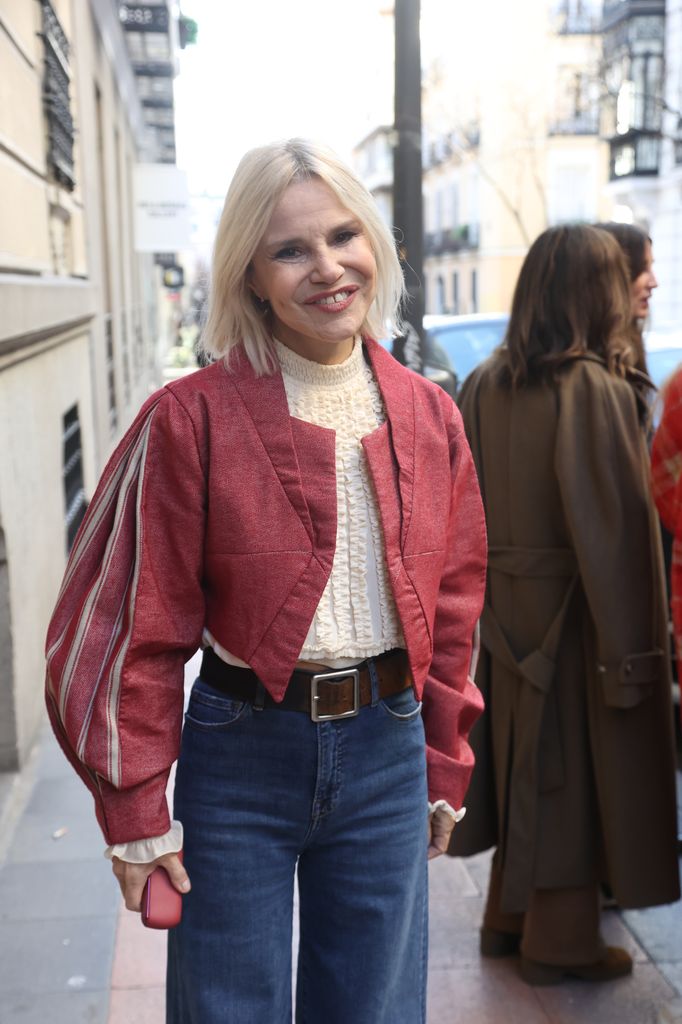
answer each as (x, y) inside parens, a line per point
(71, 954)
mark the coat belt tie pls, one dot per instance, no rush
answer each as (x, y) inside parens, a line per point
(538, 710)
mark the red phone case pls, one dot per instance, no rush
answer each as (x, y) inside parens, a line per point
(161, 902)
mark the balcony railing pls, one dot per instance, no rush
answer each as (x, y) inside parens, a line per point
(581, 124)
(618, 10)
(451, 240)
(635, 154)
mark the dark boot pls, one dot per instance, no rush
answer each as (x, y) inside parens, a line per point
(614, 963)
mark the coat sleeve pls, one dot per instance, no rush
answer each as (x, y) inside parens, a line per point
(452, 702)
(666, 457)
(130, 613)
(601, 466)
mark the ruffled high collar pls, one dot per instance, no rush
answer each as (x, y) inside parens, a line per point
(309, 372)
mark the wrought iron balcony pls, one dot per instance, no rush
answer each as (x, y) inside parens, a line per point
(586, 123)
(451, 240)
(638, 153)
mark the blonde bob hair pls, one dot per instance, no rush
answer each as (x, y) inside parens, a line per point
(234, 316)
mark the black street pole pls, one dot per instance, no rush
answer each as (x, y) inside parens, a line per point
(407, 172)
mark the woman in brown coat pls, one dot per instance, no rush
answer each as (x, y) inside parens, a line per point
(575, 781)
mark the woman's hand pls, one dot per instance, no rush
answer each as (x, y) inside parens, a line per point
(441, 825)
(132, 877)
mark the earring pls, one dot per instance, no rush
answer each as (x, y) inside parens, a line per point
(261, 304)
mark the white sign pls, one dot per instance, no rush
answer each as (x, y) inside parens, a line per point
(162, 221)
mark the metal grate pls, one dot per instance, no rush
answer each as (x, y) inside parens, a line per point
(111, 373)
(75, 503)
(60, 129)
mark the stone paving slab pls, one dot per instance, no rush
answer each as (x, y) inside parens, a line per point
(57, 1008)
(671, 1013)
(54, 806)
(140, 954)
(633, 1000)
(659, 929)
(137, 1006)
(36, 891)
(56, 956)
(484, 993)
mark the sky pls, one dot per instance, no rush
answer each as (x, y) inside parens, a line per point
(269, 69)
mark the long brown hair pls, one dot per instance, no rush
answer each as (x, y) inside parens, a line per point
(633, 241)
(572, 297)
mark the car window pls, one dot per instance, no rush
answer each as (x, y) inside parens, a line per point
(464, 346)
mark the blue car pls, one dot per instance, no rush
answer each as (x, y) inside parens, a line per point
(455, 345)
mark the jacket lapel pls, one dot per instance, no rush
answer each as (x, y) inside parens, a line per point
(266, 403)
(390, 451)
(393, 450)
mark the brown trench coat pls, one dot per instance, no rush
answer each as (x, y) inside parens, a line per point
(575, 779)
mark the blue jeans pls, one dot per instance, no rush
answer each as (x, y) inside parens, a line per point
(264, 795)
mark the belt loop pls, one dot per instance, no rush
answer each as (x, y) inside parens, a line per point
(374, 681)
(259, 699)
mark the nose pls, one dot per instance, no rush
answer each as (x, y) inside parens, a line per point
(653, 280)
(326, 266)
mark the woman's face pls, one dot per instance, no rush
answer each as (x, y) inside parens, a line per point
(643, 285)
(316, 268)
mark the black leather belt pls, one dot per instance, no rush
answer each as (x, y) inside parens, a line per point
(324, 695)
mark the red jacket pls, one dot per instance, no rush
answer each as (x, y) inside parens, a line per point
(666, 482)
(218, 509)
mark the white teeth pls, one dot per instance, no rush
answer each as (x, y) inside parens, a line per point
(330, 300)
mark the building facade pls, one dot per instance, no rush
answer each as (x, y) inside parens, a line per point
(641, 110)
(511, 146)
(78, 335)
(511, 142)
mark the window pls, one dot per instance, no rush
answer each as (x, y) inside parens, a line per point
(440, 284)
(111, 373)
(57, 106)
(75, 504)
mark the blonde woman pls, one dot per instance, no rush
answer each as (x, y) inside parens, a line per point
(306, 510)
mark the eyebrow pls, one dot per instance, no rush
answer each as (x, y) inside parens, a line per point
(285, 243)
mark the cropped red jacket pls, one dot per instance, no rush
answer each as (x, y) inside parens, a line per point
(218, 509)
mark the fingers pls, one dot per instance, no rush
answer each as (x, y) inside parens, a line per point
(133, 877)
(441, 825)
(176, 872)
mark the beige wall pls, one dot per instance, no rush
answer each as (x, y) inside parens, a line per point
(66, 264)
(34, 395)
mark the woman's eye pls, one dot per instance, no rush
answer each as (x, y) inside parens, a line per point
(288, 252)
(344, 237)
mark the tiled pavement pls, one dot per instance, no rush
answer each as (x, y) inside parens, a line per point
(70, 954)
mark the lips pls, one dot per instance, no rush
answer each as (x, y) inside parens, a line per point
(333, 301)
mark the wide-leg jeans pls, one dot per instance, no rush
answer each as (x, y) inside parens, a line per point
(266, 794)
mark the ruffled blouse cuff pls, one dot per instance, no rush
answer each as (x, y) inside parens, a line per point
(443, 805)
(144, 851)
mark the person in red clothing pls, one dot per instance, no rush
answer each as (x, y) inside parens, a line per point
(306, 510)
(666, 474)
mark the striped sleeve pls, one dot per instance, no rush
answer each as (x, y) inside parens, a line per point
(129, 614)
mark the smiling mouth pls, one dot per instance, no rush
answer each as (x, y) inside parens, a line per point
(332, 302)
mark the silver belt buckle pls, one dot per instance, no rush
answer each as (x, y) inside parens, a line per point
(347, 673)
